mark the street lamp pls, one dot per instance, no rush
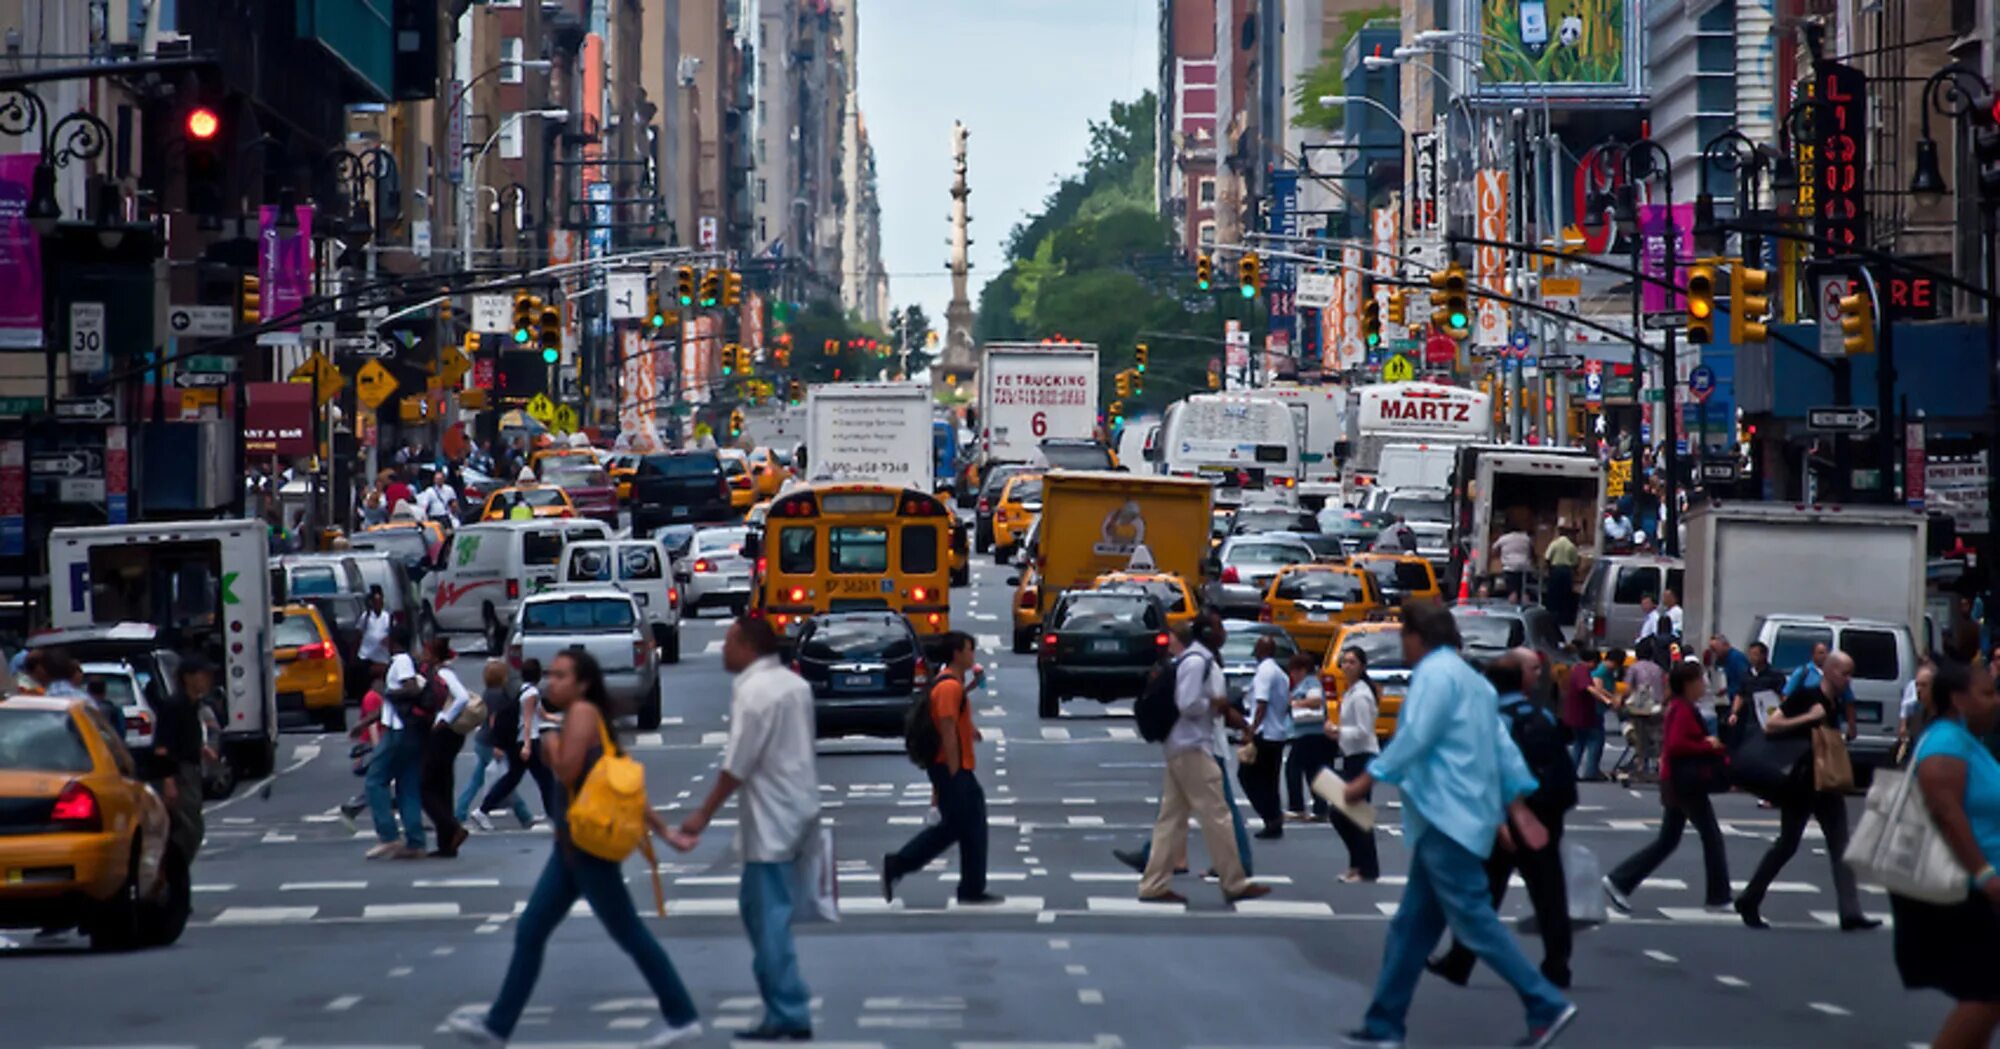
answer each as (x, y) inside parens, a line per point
(1329, 101)
(472, 182)
(1949, 92)
(77, 136)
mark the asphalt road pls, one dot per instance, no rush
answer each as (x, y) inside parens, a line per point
(297, 941)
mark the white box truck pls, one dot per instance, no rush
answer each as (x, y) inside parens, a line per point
(878, 432)
(1501, 487)
(1031, 392)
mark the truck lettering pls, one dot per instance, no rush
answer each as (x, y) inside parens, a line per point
(1426, 411)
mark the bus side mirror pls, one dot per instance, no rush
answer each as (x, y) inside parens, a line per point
(753, 545)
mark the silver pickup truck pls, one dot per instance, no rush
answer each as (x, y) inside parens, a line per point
(607, 623)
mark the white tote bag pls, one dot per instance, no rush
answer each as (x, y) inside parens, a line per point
(1897, 845)
(1581, 877)
(815, 885)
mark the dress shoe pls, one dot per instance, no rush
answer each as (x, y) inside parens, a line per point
(1748, 912)
(774, 1034)
(1251, 892)
(1130, 858)
(889, 878)
(1444, 969)
(1169, 896)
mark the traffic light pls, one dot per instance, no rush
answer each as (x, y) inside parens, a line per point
(782, 352)
(201, 135)
(1749, 305)
(1701, 304)
(732, 288)
(1249, 278)
(551, 334)
(735, 422)
(830, 347)
(711, 289)
(1371, 322)
(1204, 271)
(684, 285)
(524, 317)
(251, 300)
(471, 344)
(1857, 322)
(728, 360)
(1139, 354)
(656, 318)
(1214, 376)
(1124, 384)
(1985, 118)
(1116, 409)
(1450, 301)
(1398, 312)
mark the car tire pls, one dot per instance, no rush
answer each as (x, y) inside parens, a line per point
(162, 919)
(332, 719)
(254, 760)
(115, 926)
(671, 651)
(1048, 703)
(1024, 642)
(496, 634)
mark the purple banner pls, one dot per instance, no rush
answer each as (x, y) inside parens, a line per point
(20, 257)
(1653, 251)
(284, 263)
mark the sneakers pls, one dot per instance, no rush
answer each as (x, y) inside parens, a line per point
(481, 820)
(528, 821)
(1363, 1040)
(1544, 1036)
(472, 1029)
(984, 899)
(1618, 901)
(674, 1036)
(393, 850)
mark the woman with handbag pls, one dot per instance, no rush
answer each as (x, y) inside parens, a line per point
(1358, 747)
(575, 686)
(1817, 790)
(1692, 765)
(1953, 947)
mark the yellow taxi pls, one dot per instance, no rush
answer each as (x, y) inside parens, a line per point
(736, 474)
(767, 471)
(1382, 644)
(1027, 607)
(621, 467)
(1171, 589)
(1313, 601)
(539, 500)
(1020, 503)
(308, 668)
(1401, 577)
(84, 842)
(432, 531)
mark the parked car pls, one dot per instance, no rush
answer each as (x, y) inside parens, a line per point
(720, 574)
(122, 689)
(1244, 568)
(85, 843)
(864, 669)
(1608, 611)
(311, 686)
(1885, 660)
(607, 623)
(639, 567)
(1098, 645)
(679, 488)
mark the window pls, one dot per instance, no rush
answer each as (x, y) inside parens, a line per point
(293, 631)
(639, 563)
(541, 548)
(1098, 610)
(510, 60)
(510, 140)
(590, 564)
(681, 465)
(1205, 233)
(1321, 586)
(1383, 649)
(1794, 644)
(762, 185)
(843, 639)
(1205, 192)
(857, 549)
(41, 741)
(1873, 652)
(797, 554)
(920, 549)
(577, 616)
(313, 582)
(1635, 583)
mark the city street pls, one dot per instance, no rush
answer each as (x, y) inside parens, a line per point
(297, 941)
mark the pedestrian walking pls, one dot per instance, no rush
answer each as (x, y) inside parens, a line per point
(576, 687)
(1801, 799)
(1539, 737)
(1516, 551)
(1646, 695)
(1313, 746)
(1194, 778)
(1915, 711)
(1360, 706)
(1463, 783)
(1559, 590)
(1686, 742)
(367, 734)
(1951, 947)
(441, 746)
(1583, 704)
(769, 757)
(961, 802)
(537, 719)
(503, 715)
(398, 759)
(178, 750)
(375, 625)
(1808, 676)
(1270, 730)
(1761, 688)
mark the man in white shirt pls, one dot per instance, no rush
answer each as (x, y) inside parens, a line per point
(398, 762)
(1270, 731)
(1516, 551)
(375, 622)
(439, 502)
(769, 757)
(441, 746)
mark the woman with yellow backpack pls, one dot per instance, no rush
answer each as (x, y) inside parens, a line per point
(600, 818)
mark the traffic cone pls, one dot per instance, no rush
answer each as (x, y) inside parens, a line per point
(1464, 586)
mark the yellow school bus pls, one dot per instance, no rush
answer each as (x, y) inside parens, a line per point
(842, 546)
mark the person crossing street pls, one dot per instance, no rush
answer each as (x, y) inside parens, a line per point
(961, 802)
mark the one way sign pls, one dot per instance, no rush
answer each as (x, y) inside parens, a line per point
(84, 409)
(1843, 420)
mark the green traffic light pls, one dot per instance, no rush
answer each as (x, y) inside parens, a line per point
(1458, 320)
(520, 335)
(687, 300)
(1204, 284)
(549, 354)
(659, 320)
(1374, 340)
(1249, 291)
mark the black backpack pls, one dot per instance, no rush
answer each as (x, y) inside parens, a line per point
(1544, 745)
(921, 739)
(1156, 710)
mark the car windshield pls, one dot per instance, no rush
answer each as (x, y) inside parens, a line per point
(293, 631)
(733, 467)
(1077, 456)
(1324, 547)
(1491, 633)
(576, 615)
(1420, 508)
(1382, 648)
(719, 541)
(1089, 611)
(406, 544)
(859, 639)
(314, 581)
(41, 741)
(575, 474)
(676, 538)
(542, 547)
(1393, 574)
(680, 466)
(588, 564)
(1321, 586)
(1239, 648)
(1025, 490)
(1269, 554)
(1272, 521)
(996, 479)
(548, 495)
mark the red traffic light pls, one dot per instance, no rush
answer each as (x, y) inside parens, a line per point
(202, 123)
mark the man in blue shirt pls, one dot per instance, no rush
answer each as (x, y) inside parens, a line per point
(1461, 777)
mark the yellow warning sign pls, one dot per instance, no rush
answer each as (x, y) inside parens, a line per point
(374, 384)
(542, 410)
(328, 376)
(1398, 368)
(565, 420)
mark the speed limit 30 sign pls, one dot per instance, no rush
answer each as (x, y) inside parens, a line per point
(86, 336)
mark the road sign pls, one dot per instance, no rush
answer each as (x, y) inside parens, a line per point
(1832, 340)
(541, 409)
(625, 294)
(20, 406)
(1520, 340)
(1701, 383)
(201, 322)
(1719, 471)
(373, 384)
(1665, 321)
(85, 409)
(491, 313)
(318, 329)
(1564, 361)
(329, 377)
(1593, 384)
(565, 420)
(1398, 368)
(204, 362)
(65, 464)
(86, 336)
(452, 366)
(80, 490)
(1315, 290)
(1843, 420)
(1654, 395)
(364, 345)
(191, 380)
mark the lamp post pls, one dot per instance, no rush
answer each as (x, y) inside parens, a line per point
(360, 171)
(1643, 160)
(478, 161)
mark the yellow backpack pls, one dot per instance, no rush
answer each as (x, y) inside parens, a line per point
(607, 816)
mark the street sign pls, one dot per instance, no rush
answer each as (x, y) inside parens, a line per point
(80, 490)
(361, 346)
(86, 336)
(1843, 420)
(565, 421)
(1719, 471)
(1520, 340)
(192, 380)
(1564, 361)
(201, 322)
(318, 329)
(1654, 395)
(1398, 368)
(1832, 340)
(541, 409)
(490, 313)
(329, 377)
(65, 464)
(19, 406)
(85, 409)
(1665, 321)
(373, 384)
(1315, 290)
(204, 362)
(452, 366)
(625, 294)
(1701, 383)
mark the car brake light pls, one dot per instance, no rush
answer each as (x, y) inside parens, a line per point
(762, 563)
(141, 723)
(984, 505)
(76, 808)
(1049, 640)
(1229, 575)
(673, 595)
(1329, 684)
(639, 648)
(918, 593)
(703, 564)
(1264, 615)
(1160, 640)
(513, 589)
(319, 650)
(934, 619)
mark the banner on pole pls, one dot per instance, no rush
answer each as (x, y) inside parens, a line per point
(1489, 323)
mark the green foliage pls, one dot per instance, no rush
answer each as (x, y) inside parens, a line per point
(1326, 78)
(1597, 58)
(819, 320)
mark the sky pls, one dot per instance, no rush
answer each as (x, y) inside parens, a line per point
(1026, 77)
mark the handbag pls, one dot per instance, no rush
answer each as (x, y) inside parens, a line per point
(815, 884)
(1832, 770)
(1896, 844)
(1763, 765)
(1700, 774)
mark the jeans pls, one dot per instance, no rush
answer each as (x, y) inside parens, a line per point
(571, 873)
(765, 899)
(1236, 822)
(1360, 843)
(1715, 863)
(1586, 750)
(398, 758)
(483, 754)
(1447, 888)
(1260, 783)
(1827, 809)
(1309, 754)
(1541, 869)
(962, 822)
(440, 752)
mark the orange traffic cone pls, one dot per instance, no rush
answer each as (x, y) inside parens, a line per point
(1465, 586)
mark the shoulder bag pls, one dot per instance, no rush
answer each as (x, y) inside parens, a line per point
(1832, 770)
(1896, 844)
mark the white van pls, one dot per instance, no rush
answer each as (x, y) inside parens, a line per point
(640, 567)
(490, 565)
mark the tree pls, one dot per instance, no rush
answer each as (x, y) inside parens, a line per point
(910, 333)
(1327, 77)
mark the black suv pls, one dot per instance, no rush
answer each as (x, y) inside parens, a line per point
(863, 667)
(1099, 644)
(679, 488)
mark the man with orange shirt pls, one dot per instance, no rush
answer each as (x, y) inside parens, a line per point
(960, 801)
